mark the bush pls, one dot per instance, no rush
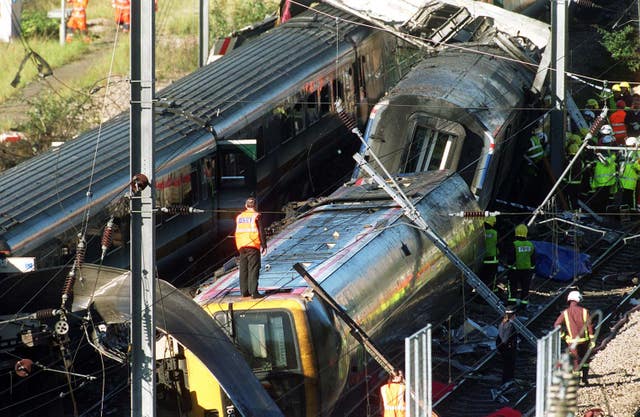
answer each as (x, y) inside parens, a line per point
(36, 23)
(57, 118)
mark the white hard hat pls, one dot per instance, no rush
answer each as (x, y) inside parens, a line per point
(574, 296)
(606, 130)
(631, 141)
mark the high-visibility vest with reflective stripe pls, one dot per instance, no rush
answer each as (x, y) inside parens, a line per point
(618, 126)
(629, 177)
(535, 151)
(604, 173)
(393, 399)
(524, 252)
(490, 246)
(247, 233)
(569, 336)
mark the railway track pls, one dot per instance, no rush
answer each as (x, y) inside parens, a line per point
(475, 379)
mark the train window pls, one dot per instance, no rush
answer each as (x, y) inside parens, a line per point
(429, 150)
(415, 155)
(266, 339)
(175, 187)
(208, 177)
(298, 118)
(325, 100)
(313, 115)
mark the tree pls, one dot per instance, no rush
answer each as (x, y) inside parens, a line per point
(623, 46)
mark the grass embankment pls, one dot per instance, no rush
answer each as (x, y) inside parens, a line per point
(61, 114)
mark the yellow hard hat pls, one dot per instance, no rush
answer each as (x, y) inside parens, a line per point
(491, 220)
(616, 87)
(584, 131)
(521, 230)
(593, 103)
(625, 84)
(573, 149)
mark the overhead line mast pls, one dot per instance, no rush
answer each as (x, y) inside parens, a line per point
(143, 379)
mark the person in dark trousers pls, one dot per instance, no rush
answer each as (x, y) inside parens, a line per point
(490, 261)
(578, 332)
(507, 344)
(522, 261)
(250, 241)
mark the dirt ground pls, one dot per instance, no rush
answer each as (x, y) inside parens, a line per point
(111, 98)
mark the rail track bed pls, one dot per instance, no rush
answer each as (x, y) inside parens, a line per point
(475, 387)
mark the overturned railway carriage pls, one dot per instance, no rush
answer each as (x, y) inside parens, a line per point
(461, 110)
(259, 120)
(385, 273)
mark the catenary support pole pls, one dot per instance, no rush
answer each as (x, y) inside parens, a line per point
(142, 215)
(204, 33)
(558, 114)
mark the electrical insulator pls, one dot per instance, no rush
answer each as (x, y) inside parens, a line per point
(107, 237)
(475, 213)
(47, 313)
(180, 210)
(80, 252)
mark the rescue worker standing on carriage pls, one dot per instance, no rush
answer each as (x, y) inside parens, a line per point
(522, 261)
(578, 332)
(250, 241)
(490, 261)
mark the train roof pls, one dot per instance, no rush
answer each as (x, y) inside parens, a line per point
(471, 78)
(49, 193)
(326, 237)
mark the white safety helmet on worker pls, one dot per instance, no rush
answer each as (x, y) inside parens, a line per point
(574, 296)
(606, 130)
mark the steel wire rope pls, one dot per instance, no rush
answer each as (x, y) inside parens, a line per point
(440, 43)
(345, 248)
(102, 367)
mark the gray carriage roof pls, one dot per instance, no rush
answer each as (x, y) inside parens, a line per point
(326, 237)
(51, 189)
(481, 82)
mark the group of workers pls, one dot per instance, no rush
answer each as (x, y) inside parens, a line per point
(608, 176)
(77, 22)
(520, 259)
(575, 321)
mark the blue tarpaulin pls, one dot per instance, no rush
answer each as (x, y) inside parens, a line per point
(560, 263)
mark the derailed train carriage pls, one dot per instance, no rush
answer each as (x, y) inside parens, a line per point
(385, 273)
(463, 109)
(259, 120)
(458, 110)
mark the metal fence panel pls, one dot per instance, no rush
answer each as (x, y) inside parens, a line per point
(417, 365)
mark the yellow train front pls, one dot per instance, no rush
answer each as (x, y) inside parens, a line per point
(385, 273)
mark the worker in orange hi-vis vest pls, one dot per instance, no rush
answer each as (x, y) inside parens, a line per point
(77, 23)
(122, 14)
(392, 394)
(250, 241)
